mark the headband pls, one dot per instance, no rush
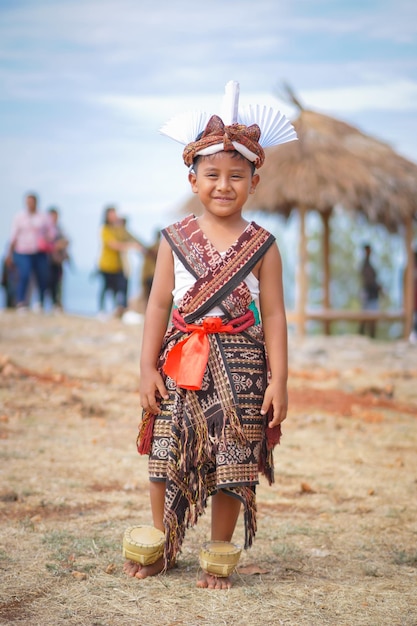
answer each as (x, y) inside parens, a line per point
(217, 137)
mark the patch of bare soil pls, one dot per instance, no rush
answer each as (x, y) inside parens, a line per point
(336, 542)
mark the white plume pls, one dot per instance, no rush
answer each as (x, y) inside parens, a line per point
(185, 127)
(230, 104)
(275, 127)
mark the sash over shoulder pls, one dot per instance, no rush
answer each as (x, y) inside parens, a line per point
(219, 278)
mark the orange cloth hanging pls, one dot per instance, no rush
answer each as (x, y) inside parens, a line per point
(187, 360)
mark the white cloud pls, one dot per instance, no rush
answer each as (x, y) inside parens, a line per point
(400, 95)
(154, 111)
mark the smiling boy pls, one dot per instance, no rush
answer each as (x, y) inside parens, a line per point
(212, 399)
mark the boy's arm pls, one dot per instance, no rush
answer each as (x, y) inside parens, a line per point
(271, 298)
(156, 320)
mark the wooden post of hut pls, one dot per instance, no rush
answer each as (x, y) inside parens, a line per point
(408, 294)
(325, 216)
(302, 279)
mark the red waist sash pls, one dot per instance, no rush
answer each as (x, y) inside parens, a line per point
(186, 362)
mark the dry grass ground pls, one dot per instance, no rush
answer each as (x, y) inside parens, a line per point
(337, 539)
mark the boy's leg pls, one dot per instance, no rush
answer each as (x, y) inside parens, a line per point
(225, 511)
(157, 496)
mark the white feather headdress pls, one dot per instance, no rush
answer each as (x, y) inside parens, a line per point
(275, 127)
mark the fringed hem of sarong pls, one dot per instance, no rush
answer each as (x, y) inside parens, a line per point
(175, 530)
(271, 438)
(266, 462)
(247, 495)
(174, 536)
(187, 506)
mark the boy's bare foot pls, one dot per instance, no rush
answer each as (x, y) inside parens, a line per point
(136, 570)
(209, 581)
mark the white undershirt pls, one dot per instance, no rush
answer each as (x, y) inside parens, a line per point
(184, 280)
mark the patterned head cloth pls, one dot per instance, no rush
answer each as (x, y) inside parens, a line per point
(217, 137)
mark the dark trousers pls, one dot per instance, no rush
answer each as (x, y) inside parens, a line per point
(54, 282)
(116, 283)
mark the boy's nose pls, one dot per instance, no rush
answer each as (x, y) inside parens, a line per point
(223, 182)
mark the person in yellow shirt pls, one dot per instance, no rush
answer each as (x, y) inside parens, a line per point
(114, 243)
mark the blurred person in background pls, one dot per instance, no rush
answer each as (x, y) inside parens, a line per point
(114, 241)
(9, 282)
(370, 293)
(30, 242)
(125, 235)
(413, 335)
(57, 256)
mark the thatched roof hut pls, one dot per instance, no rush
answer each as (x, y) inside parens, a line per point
(332, 164)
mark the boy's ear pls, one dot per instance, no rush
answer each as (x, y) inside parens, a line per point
(193, 181)
(254, 183)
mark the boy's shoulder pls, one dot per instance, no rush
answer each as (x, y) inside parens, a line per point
(258, 227)
(181, 224)
(260, 231)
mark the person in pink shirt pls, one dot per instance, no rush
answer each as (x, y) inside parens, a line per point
(30, 241)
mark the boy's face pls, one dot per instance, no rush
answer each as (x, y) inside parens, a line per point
(223, 182)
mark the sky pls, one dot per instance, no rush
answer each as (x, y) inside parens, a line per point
(86, 84)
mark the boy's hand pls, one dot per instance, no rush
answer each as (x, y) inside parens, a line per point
(152, 388)
(276, 396)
